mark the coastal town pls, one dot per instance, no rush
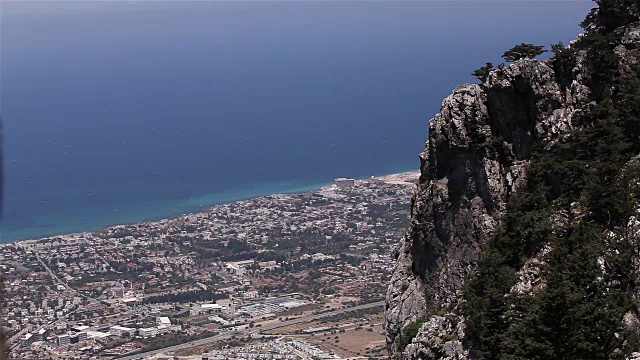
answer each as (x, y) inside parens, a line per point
(288, 276)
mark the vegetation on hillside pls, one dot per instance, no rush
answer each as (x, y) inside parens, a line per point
(577, 200)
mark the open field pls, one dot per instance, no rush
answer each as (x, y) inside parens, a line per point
(352, 342)
(351, 336)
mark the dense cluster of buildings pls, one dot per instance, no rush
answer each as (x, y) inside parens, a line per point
(123, 287)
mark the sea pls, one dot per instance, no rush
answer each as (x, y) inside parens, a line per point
(117, 112)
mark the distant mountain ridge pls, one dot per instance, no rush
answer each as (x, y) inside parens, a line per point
(524, 239)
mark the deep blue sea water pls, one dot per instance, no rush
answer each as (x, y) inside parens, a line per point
(116, 112)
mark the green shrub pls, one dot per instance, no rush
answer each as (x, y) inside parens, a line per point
(410, 331)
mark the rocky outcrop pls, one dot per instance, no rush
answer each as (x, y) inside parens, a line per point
(476, 156)
(478, 148)
(529, 277)
(439, 338)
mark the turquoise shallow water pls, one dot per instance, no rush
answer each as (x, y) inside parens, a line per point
(116, 112)
(159, 209)
(152, 210)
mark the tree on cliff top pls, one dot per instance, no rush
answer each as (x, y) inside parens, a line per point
(611, 14)
(522, 51)
(482, 73)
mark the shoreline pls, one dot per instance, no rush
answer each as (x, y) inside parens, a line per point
(391, 177)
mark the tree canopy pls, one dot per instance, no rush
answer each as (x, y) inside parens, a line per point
(611, 14)
(482, 73)
(522, 51)
(558, 48)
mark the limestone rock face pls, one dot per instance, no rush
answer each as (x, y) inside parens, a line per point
(439, 339)
(476, 155)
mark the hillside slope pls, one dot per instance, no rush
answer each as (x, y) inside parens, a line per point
(522, 243)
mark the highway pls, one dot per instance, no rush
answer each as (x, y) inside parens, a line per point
(252, 331)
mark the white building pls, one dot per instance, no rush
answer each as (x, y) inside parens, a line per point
(345, 183)
(163, 329)
(163, 320)
(214, 307)
(250, 294)
(82, 336)
(238, 268)
(63, 340)
(42, 334)
(121, 331)
(206, 308)
(235, 269)
(117, 291)
(148, 332)
(27, 339)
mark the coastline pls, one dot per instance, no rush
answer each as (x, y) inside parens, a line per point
(201, 208)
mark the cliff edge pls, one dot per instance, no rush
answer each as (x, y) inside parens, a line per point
(478, 155)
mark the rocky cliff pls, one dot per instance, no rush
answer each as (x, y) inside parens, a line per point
(477, 155)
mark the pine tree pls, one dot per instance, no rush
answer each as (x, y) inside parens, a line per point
(482, 73)
(522, 51)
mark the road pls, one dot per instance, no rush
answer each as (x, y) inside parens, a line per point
(56, 278)
(252, 331)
